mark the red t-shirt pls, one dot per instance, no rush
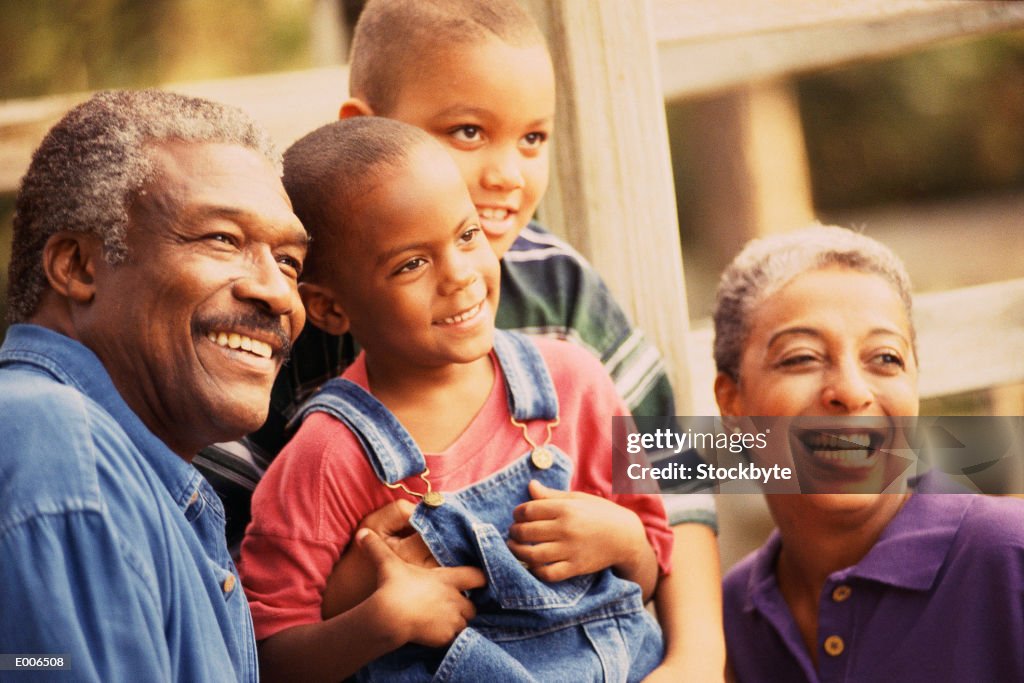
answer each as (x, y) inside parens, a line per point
(321, 486)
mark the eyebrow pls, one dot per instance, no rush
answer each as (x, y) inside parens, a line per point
(462, 110)
(413, 246)
(300, 237)
(812, 332)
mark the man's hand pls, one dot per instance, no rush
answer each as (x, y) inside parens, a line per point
(424, 605)
(562, 534)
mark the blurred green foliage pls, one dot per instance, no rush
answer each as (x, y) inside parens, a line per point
(60, 46)
(937, 123)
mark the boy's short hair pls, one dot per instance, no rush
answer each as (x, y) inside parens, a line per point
(396, 39)
(328, 169)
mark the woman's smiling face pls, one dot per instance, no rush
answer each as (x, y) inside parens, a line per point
(831, 344)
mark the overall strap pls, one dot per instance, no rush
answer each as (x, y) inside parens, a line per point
(390, 449)
(531, 393)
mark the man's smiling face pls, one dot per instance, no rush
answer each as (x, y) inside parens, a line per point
(194, 326)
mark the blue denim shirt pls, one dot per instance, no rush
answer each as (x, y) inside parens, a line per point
(112, 547)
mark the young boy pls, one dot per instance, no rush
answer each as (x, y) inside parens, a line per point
(489, 442)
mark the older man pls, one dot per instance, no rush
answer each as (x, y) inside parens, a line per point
(153, 291)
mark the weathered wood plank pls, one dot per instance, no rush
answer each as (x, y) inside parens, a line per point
(611, 192)
(967, 339)
(706, 46)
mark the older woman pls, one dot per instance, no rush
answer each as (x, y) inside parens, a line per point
(867, 586)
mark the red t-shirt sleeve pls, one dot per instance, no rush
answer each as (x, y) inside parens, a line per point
(300, 524)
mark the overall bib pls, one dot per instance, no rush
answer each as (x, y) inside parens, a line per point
(589, 628)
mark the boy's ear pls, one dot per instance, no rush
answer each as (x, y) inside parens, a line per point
(69, 262)
(727, 394)
(354, 106)
(323, 309)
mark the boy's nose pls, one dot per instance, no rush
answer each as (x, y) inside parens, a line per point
(458, 273)
(502, 171)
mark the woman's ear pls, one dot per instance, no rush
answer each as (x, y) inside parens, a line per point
(69, 262)
(323, 308)
(354, 106)
(727, 394)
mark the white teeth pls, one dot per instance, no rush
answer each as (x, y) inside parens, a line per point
(233, 340)
(847, 458)
(492, 214)
(465, 315)
(838, 441)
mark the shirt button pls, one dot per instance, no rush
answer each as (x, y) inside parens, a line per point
(229, 583)
(834, 646)
(194, 498)
(841, 593)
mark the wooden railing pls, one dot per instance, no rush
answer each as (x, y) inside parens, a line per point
(612, 193)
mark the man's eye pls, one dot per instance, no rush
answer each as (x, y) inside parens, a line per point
(293, 263)
(224, 238)
(466, 133)
(797, 361)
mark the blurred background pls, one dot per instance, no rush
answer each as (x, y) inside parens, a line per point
(923, 150)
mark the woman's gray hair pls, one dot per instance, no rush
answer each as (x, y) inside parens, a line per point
(766, 265)
(86, 172)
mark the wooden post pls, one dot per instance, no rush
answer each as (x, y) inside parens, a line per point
(611, 193)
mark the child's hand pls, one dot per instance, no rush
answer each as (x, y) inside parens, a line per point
(562, 534)
(391, 523)
(353, 578)
(424, 606)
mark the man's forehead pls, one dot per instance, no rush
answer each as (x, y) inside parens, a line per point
(207, 178)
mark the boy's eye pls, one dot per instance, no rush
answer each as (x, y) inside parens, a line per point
(534, 140)
(469, 235)
(466, 133)
(888, 359)
(411, 265)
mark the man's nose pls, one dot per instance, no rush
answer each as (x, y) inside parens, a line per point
(265, 284)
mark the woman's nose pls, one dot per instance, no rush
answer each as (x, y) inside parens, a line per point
(847, 390)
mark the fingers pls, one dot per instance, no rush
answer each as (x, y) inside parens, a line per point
(536, 532)
(376, 549)
(390, 520)
(539, 491)
(556, 571)
(413, 550)
(536, 510)
(463, 578)
(538, 555)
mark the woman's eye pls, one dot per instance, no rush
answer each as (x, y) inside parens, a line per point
(466, 133)
(799, 360)
(534, 140)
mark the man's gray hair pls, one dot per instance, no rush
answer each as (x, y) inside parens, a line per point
(766, 265)
(86, 172)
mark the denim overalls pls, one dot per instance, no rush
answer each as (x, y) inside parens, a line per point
(589, 628)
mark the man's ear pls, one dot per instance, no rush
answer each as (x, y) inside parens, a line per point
(69, 261)
(354, 106)
(727, 394)
(323, 308)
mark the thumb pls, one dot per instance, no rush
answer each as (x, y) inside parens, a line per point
(376, 549)
(539, 491)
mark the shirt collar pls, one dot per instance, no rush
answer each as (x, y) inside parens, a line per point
(72, 363)
(908, 554)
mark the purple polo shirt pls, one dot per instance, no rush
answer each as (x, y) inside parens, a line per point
(940, 597)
